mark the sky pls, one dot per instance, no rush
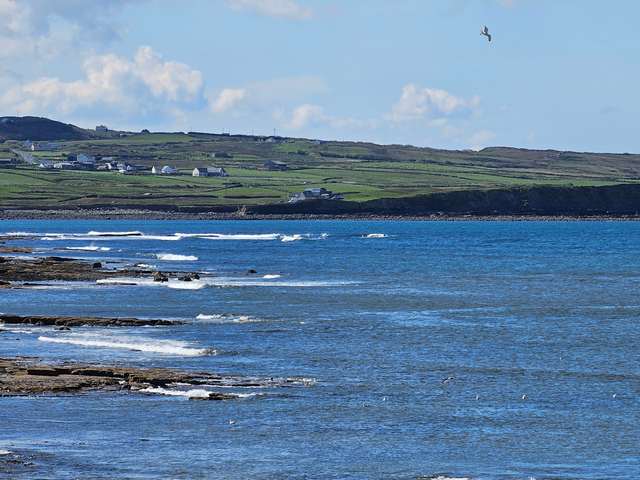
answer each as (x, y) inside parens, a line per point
(559, 74)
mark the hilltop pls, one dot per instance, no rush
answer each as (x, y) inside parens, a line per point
(371, 177)
(40, 129)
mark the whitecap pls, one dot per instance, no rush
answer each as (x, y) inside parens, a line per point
(5, 452)
(220, 318)
(148, 345)
(134, 233)
(375, 235)
(220, 282)
(171, 257)
(271, 276)
(194, 393)
(89, 248)
(231, 236)
(291, 238)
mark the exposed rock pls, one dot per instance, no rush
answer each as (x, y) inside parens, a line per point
(66, 322)
(160, 277)
(252, 271)
(70, 269)
(15, 250)
(19, 376)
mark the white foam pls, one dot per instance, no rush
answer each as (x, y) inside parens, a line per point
(134, 233)
(171, 257)
(291, 238)
(234, 236)
(219, 282)
(180, 285)
(271, 276)
(375, 235)
(166, 347)
(89, 248)
(194, 393)
(5, 452)
(219, 318)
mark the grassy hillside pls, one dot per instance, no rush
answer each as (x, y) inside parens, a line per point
(361, 171)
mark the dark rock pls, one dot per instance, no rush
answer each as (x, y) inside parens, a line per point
(67, 322)
(160, 277)
(252, 271)
(96, 265)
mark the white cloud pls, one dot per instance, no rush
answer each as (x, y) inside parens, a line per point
(47, 27)
(309, 115)
(143, 83)
(227, 99)
(289, 9)
(417, 103)
(480, 139)
(306, 114)
(261, 96)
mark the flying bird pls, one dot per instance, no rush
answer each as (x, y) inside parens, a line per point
(485, 31)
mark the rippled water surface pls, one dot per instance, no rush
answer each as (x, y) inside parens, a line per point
(537, 324)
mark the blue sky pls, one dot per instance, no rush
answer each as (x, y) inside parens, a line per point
(559, 73)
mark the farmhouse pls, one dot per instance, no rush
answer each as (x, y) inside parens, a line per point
(275, 165)
(314, 194)
(166, 170)
(209, 172)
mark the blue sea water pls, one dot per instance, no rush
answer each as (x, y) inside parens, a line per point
(537, 323)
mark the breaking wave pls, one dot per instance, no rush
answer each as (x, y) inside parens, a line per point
(221, 318)
(164, 347)
(271, 276)
(220, 282)
(196, 393)
(291, 238)
(171, 257)
(138, 235)
(89, 248)
(376, 235)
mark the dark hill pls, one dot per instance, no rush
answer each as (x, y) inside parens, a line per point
(38, 129)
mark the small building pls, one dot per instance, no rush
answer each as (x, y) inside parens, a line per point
(209, 172)
(167, 170)
(126, 168)
(65, 166)
(275, 165)
(314, 194)
(101, 129)
(46, 165)
(221, 155)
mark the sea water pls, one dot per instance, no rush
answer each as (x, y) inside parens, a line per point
(479, 350)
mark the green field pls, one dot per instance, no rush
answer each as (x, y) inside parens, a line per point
(360, 171)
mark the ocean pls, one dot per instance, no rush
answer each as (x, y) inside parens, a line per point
(448, 350)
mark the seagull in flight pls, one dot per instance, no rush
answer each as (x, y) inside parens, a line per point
(485, 31)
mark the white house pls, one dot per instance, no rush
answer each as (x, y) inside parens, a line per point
(209, 172)
(167, 170)
(154, 170)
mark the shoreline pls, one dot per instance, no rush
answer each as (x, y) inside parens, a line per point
(140, 214)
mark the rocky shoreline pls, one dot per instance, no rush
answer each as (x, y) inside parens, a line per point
(28, 376)
(139, 214)
(13, 269)
(62, 321)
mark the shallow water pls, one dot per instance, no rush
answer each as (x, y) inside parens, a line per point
(548, 311)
